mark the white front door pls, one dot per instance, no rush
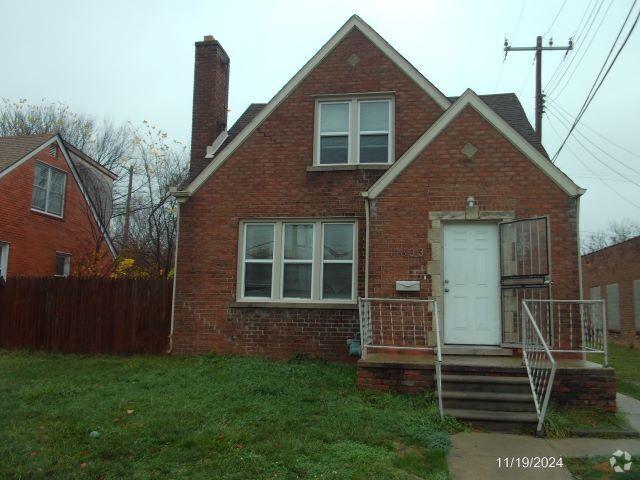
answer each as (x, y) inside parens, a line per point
(471, 284)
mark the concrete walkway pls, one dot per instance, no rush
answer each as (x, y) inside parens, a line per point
(475, 455)
(630, 407)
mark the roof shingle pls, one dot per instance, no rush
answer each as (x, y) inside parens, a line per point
(13, 149)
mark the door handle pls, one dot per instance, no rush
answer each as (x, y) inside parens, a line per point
(446, 290)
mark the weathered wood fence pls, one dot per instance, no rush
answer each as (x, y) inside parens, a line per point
(85, 315)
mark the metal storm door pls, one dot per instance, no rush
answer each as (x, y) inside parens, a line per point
(525, 269)
(471, 284)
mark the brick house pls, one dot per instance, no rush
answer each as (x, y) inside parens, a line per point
(613, 274)
(53, 207)
(360, 179)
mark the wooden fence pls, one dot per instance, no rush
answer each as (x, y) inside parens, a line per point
(85, 315)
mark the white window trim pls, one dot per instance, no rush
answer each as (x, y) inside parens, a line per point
(46, 198)
(353, 136)
(4, 259)
(285, 261)
(67, 264)
(243, 261)
(277, 272)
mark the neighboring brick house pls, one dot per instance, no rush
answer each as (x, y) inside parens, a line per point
(358, 174)
(54, 204)
(613, 274)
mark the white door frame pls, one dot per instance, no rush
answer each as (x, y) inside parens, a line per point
(498, 301)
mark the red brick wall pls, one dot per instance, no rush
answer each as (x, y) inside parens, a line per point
(616, 264)
(35, 237)
(500, 178)
(267, 177)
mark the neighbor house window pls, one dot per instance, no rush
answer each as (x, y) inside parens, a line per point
(4, 259)
(613, 306)
(297, 261)
(48, 189)
(354, 131)
(63, 265)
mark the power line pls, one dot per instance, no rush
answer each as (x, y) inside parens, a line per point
(593, 130)
(556, 17)
(593, 15)
(584, 54)
(626, 177)
(612, 157)
(599, 81)
(591, 170)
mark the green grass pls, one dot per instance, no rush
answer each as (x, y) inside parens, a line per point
(626, 362)
(561, 422)
(598, 468)
(208, 417)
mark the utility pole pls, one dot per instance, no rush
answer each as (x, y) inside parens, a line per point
(539, 95)
(127, 211)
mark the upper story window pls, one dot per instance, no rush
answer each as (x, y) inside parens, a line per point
(4, 259)
(354, 131)
(297, 261)
(48, 189)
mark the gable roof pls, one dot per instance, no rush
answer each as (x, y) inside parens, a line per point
(13, 149)
(510, 109)
(29, 145)
(354, 22)
(470, 98)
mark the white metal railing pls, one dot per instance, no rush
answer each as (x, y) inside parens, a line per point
(539, 362)
(572, 326)
(402, 324)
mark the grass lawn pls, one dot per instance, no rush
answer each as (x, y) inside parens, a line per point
(208, 417)
(561, 422)
(626, 362)
(598, 468)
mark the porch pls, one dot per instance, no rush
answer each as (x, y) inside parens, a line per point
(495, 386)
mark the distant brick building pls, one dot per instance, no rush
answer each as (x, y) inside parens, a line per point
(54, 204)
(613, 274)
(358, 174)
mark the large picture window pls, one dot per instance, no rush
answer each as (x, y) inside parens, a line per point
(48, 189)
(354, 131)
(293, 261)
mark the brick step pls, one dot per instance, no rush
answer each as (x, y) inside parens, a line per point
(492, 401)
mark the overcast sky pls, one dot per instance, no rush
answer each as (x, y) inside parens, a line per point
(133, 61)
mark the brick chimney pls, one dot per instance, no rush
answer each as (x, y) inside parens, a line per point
(210, 100)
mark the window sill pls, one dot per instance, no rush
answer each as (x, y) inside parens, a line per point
(372, 166)
(309, 305)
(47, 214)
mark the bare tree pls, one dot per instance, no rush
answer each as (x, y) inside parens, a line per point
(619, 231)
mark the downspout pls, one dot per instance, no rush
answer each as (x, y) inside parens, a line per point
(365, 195)
(181, 197)
(175, 276)
(580, 285)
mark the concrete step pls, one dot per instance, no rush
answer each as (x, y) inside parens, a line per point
(486, 383)
(477, 351)
(488, 401)
(496, 420)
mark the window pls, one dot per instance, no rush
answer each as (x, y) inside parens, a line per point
(4, 259)
(613, 307)
(63, 265)
(354, 131)
(594, 293)
(48, 189)
(297, 261)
